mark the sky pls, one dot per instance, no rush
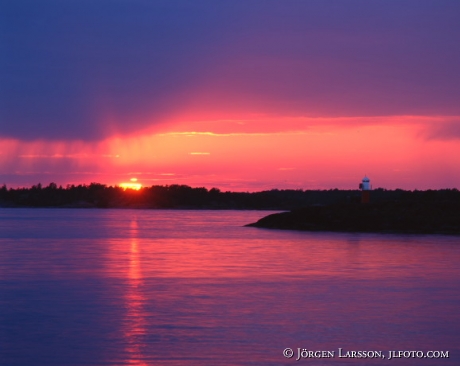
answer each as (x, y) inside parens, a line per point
(242, 95)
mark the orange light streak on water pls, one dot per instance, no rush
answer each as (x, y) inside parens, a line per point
(135, 320)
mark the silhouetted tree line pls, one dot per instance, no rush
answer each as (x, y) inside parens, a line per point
(182, 196)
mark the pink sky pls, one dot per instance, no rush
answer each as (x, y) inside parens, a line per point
(395, 152)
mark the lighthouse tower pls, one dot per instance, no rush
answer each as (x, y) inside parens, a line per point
(365, 188)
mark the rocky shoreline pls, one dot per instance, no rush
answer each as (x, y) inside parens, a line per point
(386, 217)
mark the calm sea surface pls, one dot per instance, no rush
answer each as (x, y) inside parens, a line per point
(166, 287)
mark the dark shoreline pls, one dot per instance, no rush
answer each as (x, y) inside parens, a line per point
(386, 217)
(431, 211)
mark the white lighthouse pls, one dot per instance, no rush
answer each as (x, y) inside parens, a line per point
(365, 187)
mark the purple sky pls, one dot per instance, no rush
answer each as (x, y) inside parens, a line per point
(66, 64)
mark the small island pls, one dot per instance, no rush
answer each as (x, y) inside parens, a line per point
(405, 216)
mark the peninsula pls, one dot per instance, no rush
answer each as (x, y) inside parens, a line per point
(402, 216)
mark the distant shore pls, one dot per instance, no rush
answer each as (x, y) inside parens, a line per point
(438, 217)
(333, 209)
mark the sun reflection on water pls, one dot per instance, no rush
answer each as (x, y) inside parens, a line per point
(135, 321)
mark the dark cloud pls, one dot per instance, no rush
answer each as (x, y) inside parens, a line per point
(86, 69)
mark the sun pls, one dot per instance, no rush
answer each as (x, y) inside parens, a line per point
(132, 185)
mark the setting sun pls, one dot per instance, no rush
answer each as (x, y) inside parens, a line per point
(131, 185)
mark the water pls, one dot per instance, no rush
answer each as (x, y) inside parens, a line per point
(140, 287)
